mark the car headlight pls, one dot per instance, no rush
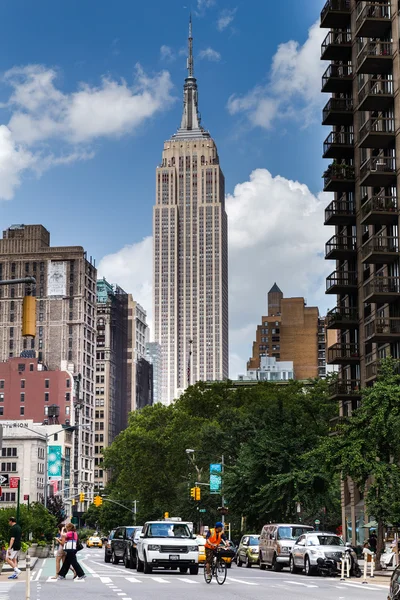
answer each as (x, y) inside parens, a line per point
(193, 548)
(316, 552)
(202, 548)
(285, 549)
(254, 551)
(153, 547)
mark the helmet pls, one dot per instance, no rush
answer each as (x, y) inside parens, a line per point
(219, 524)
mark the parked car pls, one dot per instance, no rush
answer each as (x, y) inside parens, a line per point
(123, 545)
(200, 540)
(107, 546)
(394, 591)
(94, 542)
(276, 541)
(313, 549)
(248, 552)
(168, 544)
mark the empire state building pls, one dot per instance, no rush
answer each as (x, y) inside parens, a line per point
(190, 271)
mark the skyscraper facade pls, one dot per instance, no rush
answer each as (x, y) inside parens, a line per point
(190, 272)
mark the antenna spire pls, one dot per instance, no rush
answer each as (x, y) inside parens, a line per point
(190, 50)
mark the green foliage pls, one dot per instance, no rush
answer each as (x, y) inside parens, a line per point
(37, 520)
(55, 506)
(263, 433)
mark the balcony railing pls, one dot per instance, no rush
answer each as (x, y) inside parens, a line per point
(341, 389)
(336, 13)
(380, 289)
(382, 329)
(339, 178)
(336, 46)
(338, 111)
(376, 94)
(381, 210)
(343, 354)
(339, 246)
(373, 20)
(375, 58)
(341, 282)
(377, 133)
(337, 78)
(378, 171)
(340, 212)
(373, 365)
(342, 317)
(380, 249)
(339, 144)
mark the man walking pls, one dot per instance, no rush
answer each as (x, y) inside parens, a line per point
(14, 547)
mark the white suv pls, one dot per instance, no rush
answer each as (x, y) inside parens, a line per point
(168, 544)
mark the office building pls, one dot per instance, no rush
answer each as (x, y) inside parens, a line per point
(290, 332)
(362, 79)
(140, 372)
(154, 357)
(112, 394)
(190, 286)
(66, 313)
(270, 369)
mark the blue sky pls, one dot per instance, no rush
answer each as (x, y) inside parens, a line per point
(69, 67)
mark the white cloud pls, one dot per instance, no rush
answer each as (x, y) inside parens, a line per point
(225, 18)
(276, 233)
(210, 54)
(167, 54)
(42, 114)
(203, 5)
(293, 86)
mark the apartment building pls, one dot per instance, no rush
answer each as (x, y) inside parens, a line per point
(66, 314)
(140, 371)
(362, 79)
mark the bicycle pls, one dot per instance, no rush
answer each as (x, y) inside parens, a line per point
(218, 565)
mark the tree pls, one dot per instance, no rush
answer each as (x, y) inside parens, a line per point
(56, 507)
(367, 448)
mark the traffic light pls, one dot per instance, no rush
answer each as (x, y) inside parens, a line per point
(98, 500)
(82, 497)
(29, 316)
(197, 494)
(166, 515)
(193, 492)
(73, 502)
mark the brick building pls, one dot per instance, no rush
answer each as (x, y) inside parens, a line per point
(290, 332)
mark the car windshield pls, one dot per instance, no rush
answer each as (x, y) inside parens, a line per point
(324, 540)
(130, 531)
(254, 540)
(112, 533)
(177, 530)
(290, 533)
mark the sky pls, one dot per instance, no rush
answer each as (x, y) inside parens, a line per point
(89, 91)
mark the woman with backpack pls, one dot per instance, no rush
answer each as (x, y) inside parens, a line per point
(69, 541)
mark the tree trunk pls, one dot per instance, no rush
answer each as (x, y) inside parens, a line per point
(380, 546)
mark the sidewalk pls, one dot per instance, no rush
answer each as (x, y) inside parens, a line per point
(21, 565)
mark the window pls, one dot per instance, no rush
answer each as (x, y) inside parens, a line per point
(46, 396)
(31, 367)
(47, 383)
(22, 398)
(1, 410)
(1, 397)
(67, 397)
(22, 384)
(9, 452)
(1, 384)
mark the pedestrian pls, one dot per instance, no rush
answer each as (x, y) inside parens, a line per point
(373, 542)
(69, 541)
(60, 553)
(14, 547)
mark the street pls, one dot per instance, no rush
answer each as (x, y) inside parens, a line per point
(114, 582)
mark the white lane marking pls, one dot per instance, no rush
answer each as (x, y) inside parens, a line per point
(374, 588)
(44, 562)
(51, 580)
(242, 581)
(90, 570)
(160, 580)
(133, 579)
(303, 584)
(121, 594)
(105, 579)
(38, 575)
(187, 580)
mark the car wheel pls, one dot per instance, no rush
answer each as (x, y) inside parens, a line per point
(147, 568)
(275, 565)
(139, 564)
(194, 570)
(114, 559)
(183, 570)
(292, 567)
(239, 562)
(263, 566)
(308, 569)
(107, 557)
(248, 563)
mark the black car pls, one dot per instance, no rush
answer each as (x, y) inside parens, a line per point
(107, 546)
(123, 545)
(394, 593)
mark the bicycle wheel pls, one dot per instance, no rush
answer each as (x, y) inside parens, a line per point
(207, 576)
(220, 574)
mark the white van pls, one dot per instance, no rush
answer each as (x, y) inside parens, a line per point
(276, 541)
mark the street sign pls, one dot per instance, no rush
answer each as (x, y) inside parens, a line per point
(26, 496)
(215, 484)
(14, 482)
(317, 522)
(203, 510)
(4, 480)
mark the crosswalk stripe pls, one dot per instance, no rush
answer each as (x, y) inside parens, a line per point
(133, 579)
(160, 580)
(105, 579)
(187, 580)
(242, 581)
(303, 584)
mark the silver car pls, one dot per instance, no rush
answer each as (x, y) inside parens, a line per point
(313, 549)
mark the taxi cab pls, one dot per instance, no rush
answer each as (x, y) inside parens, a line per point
(94, 542)
(202, 550)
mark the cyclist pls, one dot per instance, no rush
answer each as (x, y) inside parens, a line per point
(214, 538)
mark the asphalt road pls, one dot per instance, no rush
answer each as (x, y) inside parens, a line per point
(114, 582)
